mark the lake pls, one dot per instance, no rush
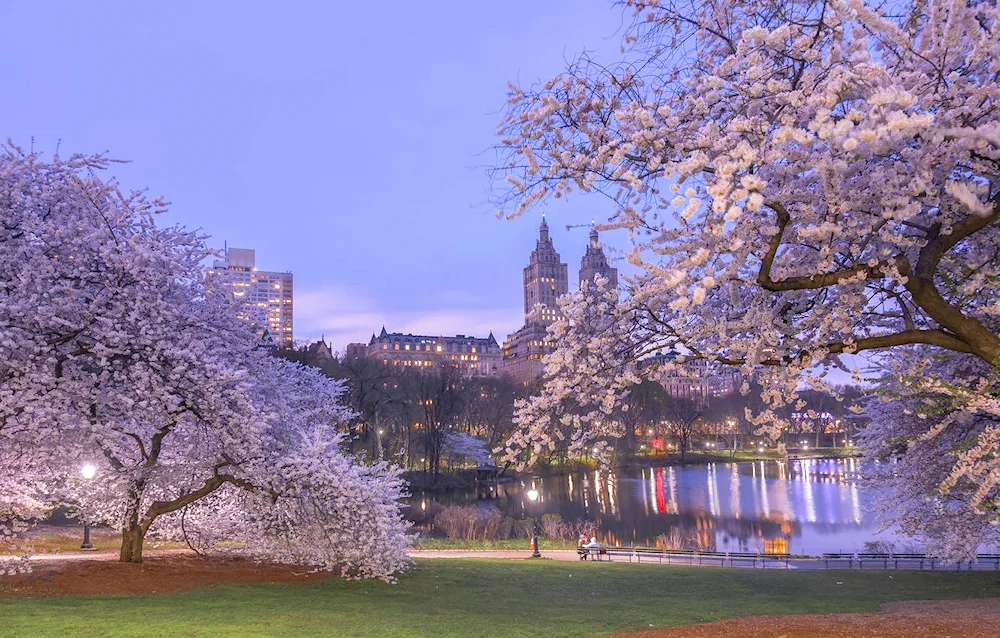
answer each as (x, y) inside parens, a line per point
(807, 506)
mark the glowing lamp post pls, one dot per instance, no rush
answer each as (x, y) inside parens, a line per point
(87, 471)
(533, 497)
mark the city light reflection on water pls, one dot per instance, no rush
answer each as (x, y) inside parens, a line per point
(806, 506)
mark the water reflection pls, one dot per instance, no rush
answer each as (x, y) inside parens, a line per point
(801, 506)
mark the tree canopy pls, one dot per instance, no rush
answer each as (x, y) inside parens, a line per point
(798, 180)
(115, 352)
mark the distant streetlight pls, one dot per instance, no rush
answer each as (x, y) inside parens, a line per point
(533, 497)
(88, 472)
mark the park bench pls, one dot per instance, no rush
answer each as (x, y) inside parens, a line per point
(911, 558)
(775, 558)
(620, 551)
(874, 558)
(710, 557)
(600, 553)
(985, 559)
(649, 553)
(592, 552)
(835, 557)
(670, 555)
(753, 557)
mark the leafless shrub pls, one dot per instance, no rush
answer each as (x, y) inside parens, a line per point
(674, 539)
(551, 526)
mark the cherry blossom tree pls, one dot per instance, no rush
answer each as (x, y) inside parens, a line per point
(277, 487)
(115, 352)
(798, 180)
(464, 446)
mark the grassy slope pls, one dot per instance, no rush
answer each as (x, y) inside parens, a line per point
(487, 598)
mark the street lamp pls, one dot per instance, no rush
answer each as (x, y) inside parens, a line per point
(533, 497)
(88, 471)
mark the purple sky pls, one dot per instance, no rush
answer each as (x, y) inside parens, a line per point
(346, 142)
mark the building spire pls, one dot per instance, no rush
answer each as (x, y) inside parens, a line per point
(543, 231)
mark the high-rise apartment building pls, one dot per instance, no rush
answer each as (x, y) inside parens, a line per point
(594, 262)
(545, 279)
(264, 298)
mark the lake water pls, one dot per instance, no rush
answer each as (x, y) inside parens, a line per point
(808, 506)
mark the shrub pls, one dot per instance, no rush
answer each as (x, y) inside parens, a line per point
(551, 524)
(476, 523)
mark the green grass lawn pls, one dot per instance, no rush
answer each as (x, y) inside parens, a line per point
(478, 597)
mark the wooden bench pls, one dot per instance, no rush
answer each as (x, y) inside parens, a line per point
(689, 557)
(911, 558)
(669, 555)
(711, 557)
(777, 558)
(592, 552)
(600, 553)
(885, 558)
(650, 553)
(981, 558)
(753, 557)
(835, 557)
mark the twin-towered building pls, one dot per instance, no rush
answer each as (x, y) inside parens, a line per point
(545, 280)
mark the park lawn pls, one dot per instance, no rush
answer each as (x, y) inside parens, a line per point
(480, 597)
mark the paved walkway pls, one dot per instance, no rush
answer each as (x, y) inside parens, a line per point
(100, 554)
(555, 554)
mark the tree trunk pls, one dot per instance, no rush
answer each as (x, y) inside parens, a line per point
(132, 530)
(132, 538)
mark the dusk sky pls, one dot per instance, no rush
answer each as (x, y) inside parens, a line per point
(345, 142)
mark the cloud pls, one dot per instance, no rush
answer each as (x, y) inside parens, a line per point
(342, 315)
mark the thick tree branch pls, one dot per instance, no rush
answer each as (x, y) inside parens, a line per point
(811, 282)
(158, 508)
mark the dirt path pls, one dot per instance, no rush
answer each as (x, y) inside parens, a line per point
(971, 618)
(164, 571)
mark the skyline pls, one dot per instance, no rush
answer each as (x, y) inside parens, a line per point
(344, 145)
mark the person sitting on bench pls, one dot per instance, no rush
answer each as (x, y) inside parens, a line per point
(584, 549)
